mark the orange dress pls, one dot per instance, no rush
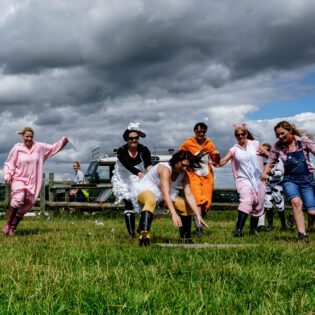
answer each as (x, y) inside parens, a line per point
(201, 180)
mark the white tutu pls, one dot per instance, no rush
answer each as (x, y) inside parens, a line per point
(123, 181)
(151, 181)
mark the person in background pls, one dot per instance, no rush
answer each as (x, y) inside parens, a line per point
(23, 169)
(294, 148)
(274, 195)
(158, 185)
(134, 160)
(78, 194)
(247, 165)
(201, 179)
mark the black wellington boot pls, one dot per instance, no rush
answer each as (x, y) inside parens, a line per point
(241, 219)
(185, 230)
(130, 220)
(144, 227)
(282, 220)
(253, 226)
(199, 229)
(269, 214)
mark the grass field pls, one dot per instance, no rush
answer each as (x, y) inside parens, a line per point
(85, 265)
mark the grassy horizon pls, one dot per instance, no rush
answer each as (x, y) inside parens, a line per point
(85, 265)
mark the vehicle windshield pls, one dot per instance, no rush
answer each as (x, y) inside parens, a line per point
(91, 168)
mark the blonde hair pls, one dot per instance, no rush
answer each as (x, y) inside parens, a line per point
(25, 130)
(243, 128)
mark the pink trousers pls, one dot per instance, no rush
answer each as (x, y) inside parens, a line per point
(19, 201)
(252, 202)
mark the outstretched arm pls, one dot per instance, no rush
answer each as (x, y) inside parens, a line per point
(227, 158)
(165, 176)
(52, 149)
(191, 201)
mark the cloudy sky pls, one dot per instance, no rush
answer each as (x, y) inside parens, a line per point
(85, 69)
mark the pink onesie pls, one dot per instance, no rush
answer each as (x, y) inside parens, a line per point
(247, 166)
(24, 170)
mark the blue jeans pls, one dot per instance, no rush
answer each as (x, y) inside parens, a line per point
(301, 186)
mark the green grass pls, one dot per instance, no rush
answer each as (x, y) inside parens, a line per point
(71, 265)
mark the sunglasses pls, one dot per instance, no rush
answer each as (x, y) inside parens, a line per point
(183, 165)
(240, 134)
(133, 138)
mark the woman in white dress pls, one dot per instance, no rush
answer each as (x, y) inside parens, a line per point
(158, 185)
(134, 159)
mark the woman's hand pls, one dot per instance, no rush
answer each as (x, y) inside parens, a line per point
(263, 177)
(141, 175)
(177, 220)
(65, 140)
(216, 157)
(202, 222)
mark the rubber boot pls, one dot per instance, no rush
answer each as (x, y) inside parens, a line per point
(241, 219)
(11, 215)
(282, 220)
(269, 214)
(144, 227)
(185, 230)
(199, 229)
(302, 238)
(130, 220)
(253, 226)
(15, 222)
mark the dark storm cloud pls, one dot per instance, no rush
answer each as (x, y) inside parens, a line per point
(171, 52)
(87, 68)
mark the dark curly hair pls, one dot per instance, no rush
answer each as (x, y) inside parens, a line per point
(194, 160)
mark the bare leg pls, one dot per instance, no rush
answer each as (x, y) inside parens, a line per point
(297, 209)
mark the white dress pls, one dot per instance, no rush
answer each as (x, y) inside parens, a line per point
(151, 181)
(123, 181)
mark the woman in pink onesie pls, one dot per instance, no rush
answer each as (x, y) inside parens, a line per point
(247, 165)
(23, 169)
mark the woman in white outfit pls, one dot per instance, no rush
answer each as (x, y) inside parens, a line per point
(134, 159)
(158, 185)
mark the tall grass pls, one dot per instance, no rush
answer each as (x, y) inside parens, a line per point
(86, 265)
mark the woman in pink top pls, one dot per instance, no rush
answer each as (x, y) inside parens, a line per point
(247, 165)
(23, 169)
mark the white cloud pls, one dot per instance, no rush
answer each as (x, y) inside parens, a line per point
(86, 69)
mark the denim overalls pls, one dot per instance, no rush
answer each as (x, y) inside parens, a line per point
(298, 180)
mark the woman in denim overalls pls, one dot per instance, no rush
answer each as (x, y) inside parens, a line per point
(298, 183)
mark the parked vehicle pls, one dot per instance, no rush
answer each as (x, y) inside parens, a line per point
(100, 171)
